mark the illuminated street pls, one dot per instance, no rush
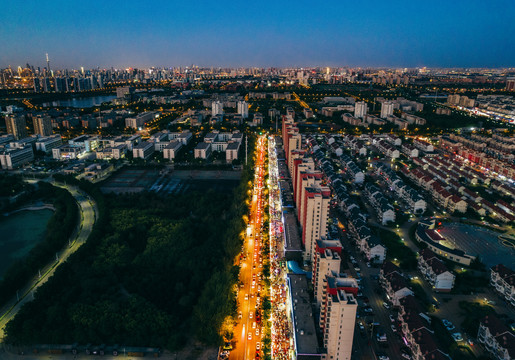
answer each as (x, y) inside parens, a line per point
(248, 332)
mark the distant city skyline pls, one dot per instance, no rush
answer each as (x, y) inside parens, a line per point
(262, 34)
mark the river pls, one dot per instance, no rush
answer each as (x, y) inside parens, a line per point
(19, 233)
(81, 102)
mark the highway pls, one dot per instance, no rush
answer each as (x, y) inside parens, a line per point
(248, 332)
(88, 215)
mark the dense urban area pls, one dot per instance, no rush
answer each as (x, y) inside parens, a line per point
(249, 213)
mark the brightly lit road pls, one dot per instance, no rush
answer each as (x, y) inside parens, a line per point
(88, 214)
(247, 333)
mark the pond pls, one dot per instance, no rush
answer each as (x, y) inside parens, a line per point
(81, 102)
(19, 233)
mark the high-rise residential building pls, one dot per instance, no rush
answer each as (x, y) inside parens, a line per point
(17, 126)
(124, 91)
(42, 125)
(37, 86)
(314, 216)
(243, 109)
(386, 109)
(59, 84)
(327, 261)
(453, 99)
(510, 84)
(217, 108)
(360, 109)
(338, 316)
(47, 87)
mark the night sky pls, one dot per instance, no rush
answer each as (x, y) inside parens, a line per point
(457, 33)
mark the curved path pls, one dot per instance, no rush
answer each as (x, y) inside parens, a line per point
(88, 215)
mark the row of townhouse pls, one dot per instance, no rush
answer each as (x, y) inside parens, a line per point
(387, 149)
(357, 145)
(384, 210)
(423, 145)
(438, 190)
(497, 338)
(394, 283)
(409, 150)
(488, 163)
(435, 272)
(502, 279)
(410, 196)
(504, 188)
(469, 172)
(504, 212)
(351, 170)
(368, 244)
(416, 331)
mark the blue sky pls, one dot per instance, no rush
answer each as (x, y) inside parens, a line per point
(460, 33)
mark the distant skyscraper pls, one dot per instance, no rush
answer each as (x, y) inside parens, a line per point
(386, 109)
(243, 109)
(48, 65)
(42, 125)
(217, 108)
(510, 84)
(360, 109)
(17, 126)
(37, 86)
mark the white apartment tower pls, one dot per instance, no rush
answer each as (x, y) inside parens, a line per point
(314, 216)
(327, 261)
(243, 109)
(360, 109)
(386, 109)
(217, 108)
(338, 316)
(43, 125)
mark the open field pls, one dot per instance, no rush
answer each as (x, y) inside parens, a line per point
(131, 180)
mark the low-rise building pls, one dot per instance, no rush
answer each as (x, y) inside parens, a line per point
(435, 271)
(497, 338)
(143, 150)
(171, 150)
(203, 150)
(502, 279)
(46, 144)
(13, 158)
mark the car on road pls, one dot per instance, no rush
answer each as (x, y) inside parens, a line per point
(257, 332)
(368, 310)
(258, 345)
(246, 297)
(394, 329)
(249, 336)
(385, 305)
(382, 356)
(251, 315)
(392, 318)
(457, 336)
(406, 356)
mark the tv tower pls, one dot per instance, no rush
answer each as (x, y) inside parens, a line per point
(47, 63)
